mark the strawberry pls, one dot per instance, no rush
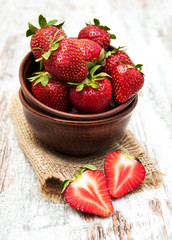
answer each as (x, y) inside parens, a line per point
(123, 173)
(65, 61)
(49, 91)
(126, 81)
(40, 41)
(114, 57)
(92, 52)
(87, 191)
(93, 95)
(97, 33)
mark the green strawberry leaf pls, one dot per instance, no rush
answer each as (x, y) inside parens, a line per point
(105, 28)
(94, 84)
(46, 55)
(55, 47)
(112, 36)
(42, 21)
(96, 22)
(29, 33)
(88, 166)
(80, 87)
(101, 56)
(112, 103)
(40, 77)
(59, 25)
(102, 74)
(90, 65)
(64, 184)
(94, 69)
(52, 22)
(32, 29)
(45, 80)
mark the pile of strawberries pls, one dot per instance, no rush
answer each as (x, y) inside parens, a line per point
(84, 74)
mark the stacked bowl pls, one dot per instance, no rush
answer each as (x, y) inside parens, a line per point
(71, 133)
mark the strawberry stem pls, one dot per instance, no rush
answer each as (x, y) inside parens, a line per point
(76, 176)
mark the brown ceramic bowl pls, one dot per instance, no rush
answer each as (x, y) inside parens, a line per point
(28, 67)
(73, 136)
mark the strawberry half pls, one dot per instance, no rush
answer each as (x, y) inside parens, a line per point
(40, 41)
(49, 91)
(97, 33)
(123, 173)
(87, 191)
(126, 81)
(94, 94)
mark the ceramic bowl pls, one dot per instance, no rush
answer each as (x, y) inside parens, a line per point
(73, 136)
(28, 67)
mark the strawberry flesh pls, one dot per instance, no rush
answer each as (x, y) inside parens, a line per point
(123, 173)
(89, 193)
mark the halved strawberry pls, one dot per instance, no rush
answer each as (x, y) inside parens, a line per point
(123, 173)
(87, 191)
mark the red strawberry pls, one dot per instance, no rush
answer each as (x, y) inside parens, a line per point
(123, 173)
(126, 81)
(49, 91)
(91, 51)
(40, 41)
(97, 33)
(114, 57)
(87, 191)
(92, 95)
(65, 61)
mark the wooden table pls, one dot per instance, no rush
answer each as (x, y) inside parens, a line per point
(145, 27)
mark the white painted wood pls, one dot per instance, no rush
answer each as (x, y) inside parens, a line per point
(145, 28)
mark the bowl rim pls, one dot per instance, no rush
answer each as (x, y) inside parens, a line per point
(62, 114)
(63, 121)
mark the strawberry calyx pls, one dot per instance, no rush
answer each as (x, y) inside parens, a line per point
(76, 176)
(109, 53)
(54, 45)
(40, 77)
(91, 79)
(100, 61)
(137, 66)
(128, 156)
(42, 23)
(97, 23)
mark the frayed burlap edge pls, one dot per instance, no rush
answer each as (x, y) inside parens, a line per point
(52, 168)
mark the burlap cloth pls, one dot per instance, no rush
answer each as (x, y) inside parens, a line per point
(52, 168)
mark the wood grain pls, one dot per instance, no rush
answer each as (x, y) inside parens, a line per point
(5, 166)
